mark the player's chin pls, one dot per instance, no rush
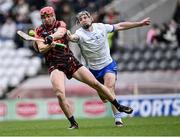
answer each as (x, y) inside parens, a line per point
(86, 26)
(49, 23)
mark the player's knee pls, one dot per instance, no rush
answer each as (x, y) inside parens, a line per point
(109, 83)
(61, 98)
(95, 84)
(110, 86)
(105, 101)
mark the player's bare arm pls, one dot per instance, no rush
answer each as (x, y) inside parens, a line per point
(59, 33)
(72, 37)
(128, 25)
(43, 48)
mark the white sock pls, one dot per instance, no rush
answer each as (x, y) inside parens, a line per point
(117, 117)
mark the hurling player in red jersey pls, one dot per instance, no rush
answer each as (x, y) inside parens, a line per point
(61, 63)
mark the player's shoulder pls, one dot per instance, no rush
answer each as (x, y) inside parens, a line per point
(39, 29)
(61, 24)
(99, 25)
(79, 30)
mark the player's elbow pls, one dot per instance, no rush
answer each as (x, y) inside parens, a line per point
(43, 50)
(35, 46)
(122, 28)
(62, 34)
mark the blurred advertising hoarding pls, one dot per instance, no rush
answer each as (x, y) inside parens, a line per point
(153, 105)
(92, 107)
(30, 109)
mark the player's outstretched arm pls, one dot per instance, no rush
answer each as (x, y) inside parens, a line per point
(59, 33)
(72, 37)
(42, 47)
(128, 25)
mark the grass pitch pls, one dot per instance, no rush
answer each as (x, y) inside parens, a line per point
(152, 126)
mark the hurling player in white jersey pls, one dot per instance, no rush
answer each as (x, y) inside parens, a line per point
(93, 41)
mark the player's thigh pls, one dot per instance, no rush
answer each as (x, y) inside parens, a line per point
(58, 80)
(85, 76)
(109, 80)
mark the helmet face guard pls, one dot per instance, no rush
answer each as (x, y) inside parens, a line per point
(47, 12)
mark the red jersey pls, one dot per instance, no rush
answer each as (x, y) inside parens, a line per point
(60, 58)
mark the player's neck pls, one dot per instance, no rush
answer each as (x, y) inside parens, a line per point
(90, 29)
(50, 26)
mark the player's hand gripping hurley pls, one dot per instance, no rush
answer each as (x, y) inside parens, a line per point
(30, 38)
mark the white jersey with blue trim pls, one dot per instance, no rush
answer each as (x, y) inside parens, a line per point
(94, 45)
